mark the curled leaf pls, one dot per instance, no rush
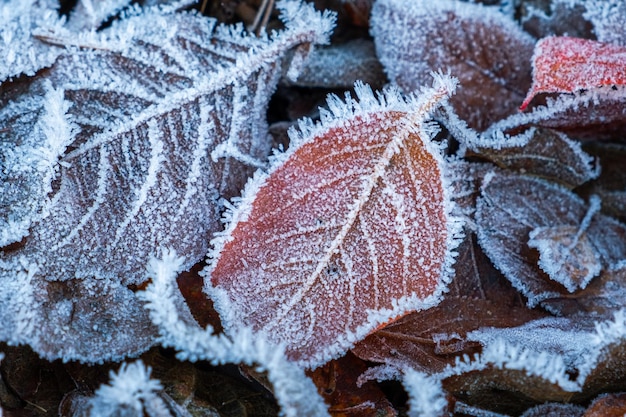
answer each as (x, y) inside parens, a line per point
(351, 228)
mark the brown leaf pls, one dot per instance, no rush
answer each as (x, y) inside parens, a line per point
(512, 206)
(486, 50)
(562, 18)
(607, 405)
(349, 230)
(340, 66)
(336, 382)
(549, 154)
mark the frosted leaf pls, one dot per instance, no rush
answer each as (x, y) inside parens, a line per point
(511, 207)
(486, 50)
(566, 253)
(133, 148)
(607, 404)
(567, 65)
(28, 166)
(20, 51)
(430, 340)
(554, 410)
(549, 154)
(363, 203)
(131, 392)
(294, 392)
(90, 14)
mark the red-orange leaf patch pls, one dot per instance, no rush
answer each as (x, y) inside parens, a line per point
(349, 229)
(566, 65)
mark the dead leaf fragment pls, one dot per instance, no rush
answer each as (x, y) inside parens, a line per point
(337, 384)
(349, 230)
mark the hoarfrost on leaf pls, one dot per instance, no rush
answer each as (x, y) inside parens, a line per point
(485, 49)
(109, 156)
(512, 206)
(364, 203)
(20, 51)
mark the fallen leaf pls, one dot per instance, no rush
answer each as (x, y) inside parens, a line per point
(607, 405)
(512, 206)
(564, 17)
(122, 152)
(548, 154)
(431, 340)
(563, 64)
(340, 66)
(485, 49)
(337, 383)
(350, 229)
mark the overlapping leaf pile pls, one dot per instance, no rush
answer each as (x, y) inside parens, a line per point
(463, 243)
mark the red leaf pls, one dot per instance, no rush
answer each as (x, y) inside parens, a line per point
(567, 65)
(349, 230)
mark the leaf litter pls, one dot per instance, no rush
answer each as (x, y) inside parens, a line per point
(538, 317)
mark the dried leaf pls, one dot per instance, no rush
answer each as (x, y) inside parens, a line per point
(548, 154)
(135, 147)
(486, 50)
(607, 405)
(337, 383)
(512, 206)
(566, 65)
(362, 233)
(564, 18)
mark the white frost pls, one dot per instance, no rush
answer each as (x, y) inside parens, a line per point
(296, 394)
(131, 391)
(426, 395)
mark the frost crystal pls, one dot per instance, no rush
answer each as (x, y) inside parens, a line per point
(426, 395)
(130, 392)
